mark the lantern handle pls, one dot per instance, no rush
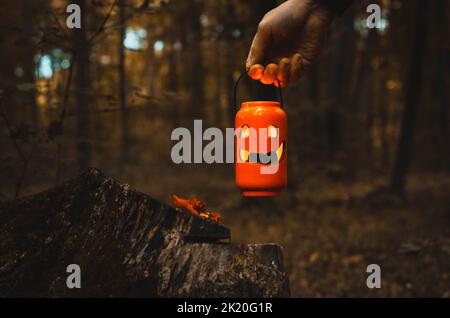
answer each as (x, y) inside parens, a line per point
(236, 87)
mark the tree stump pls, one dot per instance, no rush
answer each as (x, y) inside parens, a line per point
(127, 244)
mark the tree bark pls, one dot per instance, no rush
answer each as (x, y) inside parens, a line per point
(126, 244)
(27, 60)
(413, 89)
(81, 87)
(122, 84)
(195, 70)
(442, 72)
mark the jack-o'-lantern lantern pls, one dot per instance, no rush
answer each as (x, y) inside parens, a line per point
(261, 148)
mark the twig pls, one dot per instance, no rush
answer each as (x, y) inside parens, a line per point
(102, 25)
(67, 89)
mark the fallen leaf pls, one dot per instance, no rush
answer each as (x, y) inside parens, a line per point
(195, 206)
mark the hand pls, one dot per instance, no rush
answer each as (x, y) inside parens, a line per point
(288, 39)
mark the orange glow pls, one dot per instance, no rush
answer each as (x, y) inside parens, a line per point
(249, 179)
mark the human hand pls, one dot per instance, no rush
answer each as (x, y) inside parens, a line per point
(288, 39)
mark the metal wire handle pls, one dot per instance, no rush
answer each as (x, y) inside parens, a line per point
(236, 87)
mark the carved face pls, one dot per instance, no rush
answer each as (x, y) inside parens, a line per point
(261, 148)
(261, 145)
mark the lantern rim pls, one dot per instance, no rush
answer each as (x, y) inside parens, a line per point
(260, 103)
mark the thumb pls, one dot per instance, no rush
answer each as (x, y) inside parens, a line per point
(258, 49)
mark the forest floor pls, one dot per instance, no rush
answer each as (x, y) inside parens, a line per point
(330, 227)
(331, 230)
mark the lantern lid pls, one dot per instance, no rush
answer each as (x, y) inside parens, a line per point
(260, 104)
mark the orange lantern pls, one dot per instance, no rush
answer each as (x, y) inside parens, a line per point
(261, 148)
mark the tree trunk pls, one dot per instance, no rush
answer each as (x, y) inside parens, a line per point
(81, 87)
(413, 89)
(337, 88)
(122, 84)
(442, 84)
(28, 62)
(195, 70)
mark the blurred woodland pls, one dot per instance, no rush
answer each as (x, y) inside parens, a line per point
(369, 139)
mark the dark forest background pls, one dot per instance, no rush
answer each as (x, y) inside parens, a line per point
(369, 140)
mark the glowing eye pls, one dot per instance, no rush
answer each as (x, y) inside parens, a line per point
(245, 131)
(272, 131)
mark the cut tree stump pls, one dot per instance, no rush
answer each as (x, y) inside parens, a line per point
(127, 244)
